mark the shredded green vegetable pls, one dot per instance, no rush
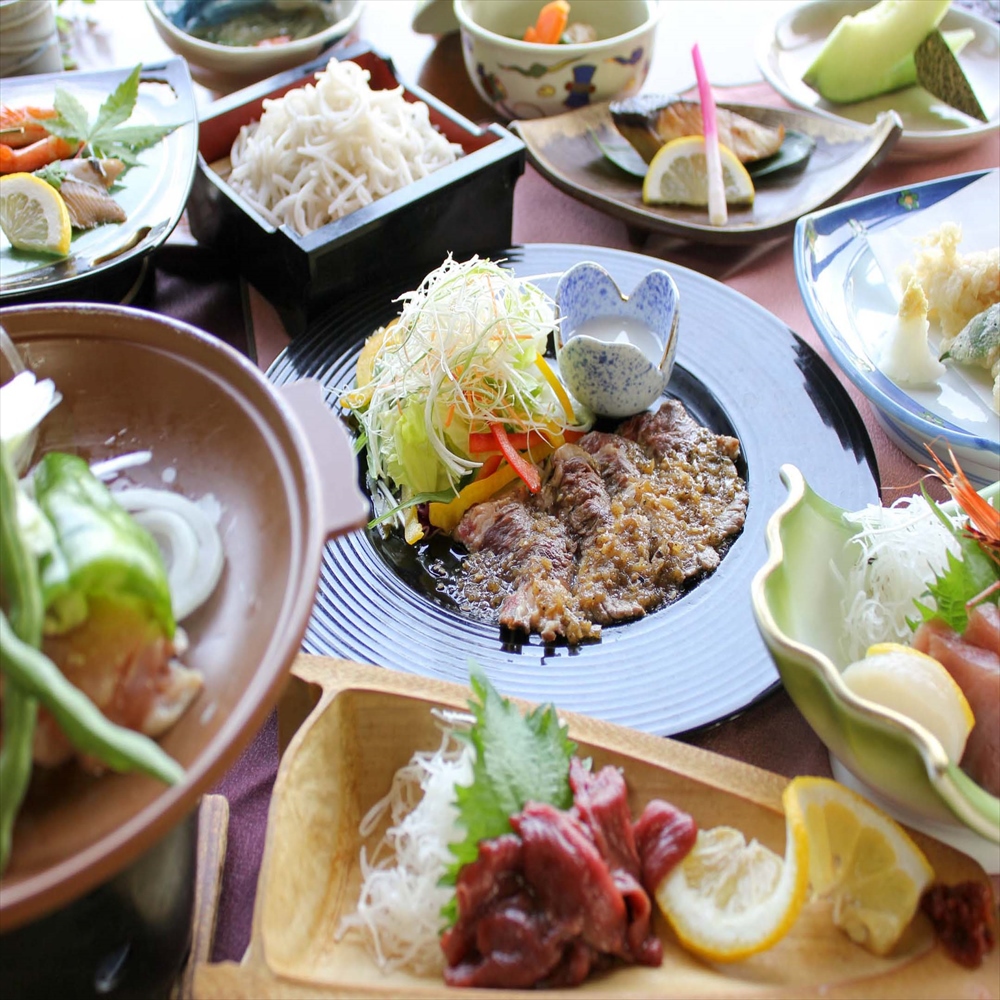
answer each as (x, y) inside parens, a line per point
(461, 355)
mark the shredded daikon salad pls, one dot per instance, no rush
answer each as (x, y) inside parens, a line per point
(399, 905)
(327, 149)
(899, 551)
(465, 352)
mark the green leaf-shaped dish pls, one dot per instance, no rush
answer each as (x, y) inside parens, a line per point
(796, 601)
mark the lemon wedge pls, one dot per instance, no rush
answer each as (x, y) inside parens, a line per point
(858, 857)
(678, 175)
(729, 899)
(33, 215)
(917, 686)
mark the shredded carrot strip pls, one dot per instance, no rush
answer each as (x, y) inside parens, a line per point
(551, 23)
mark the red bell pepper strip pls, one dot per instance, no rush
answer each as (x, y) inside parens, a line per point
(528, 472)
(520, 441)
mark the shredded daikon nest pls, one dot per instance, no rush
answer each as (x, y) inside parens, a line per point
(327, 149)
(900, 550)
(399, 905)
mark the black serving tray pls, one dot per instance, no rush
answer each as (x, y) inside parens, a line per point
(458, 209)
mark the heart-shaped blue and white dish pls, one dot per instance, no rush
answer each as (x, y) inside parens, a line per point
(615, 351)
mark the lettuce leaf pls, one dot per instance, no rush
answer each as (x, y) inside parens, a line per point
(414, 463)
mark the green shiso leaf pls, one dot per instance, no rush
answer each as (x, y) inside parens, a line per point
(519, 759)
(964, 579)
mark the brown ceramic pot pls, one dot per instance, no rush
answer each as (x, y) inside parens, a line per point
(282, 469)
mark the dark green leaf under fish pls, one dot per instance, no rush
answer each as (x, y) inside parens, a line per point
(939, 73)
(795, 151)
(796, 148)
(621, 153)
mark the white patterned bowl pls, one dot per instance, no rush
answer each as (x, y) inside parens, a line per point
(531, 80)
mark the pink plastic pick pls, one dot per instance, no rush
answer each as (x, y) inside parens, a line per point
(717, 214)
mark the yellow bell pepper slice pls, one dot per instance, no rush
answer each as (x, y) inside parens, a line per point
(557, 387)
(447, 515)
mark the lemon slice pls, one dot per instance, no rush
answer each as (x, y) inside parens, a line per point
(677, 175)
(917, 686)
(33, 215)
(860, 858)
(729, 899)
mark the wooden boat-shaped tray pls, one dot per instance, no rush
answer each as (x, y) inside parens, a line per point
(346, 728)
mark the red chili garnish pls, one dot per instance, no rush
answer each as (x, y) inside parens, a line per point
(963, 921)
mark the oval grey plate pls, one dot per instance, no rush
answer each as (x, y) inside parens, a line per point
(561, 148)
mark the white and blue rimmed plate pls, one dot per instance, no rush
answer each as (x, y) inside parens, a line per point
(851, 303)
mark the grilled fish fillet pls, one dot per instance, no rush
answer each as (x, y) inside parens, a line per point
(85, 191)
(652, 120)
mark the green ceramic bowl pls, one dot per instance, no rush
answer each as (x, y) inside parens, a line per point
(796, 600)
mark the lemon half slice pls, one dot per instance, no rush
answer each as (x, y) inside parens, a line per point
(678, 175)
(729, 899)
(33, 215)
(917, 686)
(860, 858)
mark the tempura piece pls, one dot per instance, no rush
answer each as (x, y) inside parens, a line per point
(957, 286)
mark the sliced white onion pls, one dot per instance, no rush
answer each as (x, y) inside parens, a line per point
(24, 404)
(108, 468)
(190, 542)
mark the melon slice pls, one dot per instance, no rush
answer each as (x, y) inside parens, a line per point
(860, 58)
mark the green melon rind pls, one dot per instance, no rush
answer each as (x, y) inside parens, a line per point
(939, 73)
(904, 74)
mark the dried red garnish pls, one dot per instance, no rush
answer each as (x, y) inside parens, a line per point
(963, 920)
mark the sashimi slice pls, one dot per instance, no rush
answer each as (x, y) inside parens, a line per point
(976, 669)
(984, 627)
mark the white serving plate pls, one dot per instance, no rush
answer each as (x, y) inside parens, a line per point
(930, 128)
(851, 304)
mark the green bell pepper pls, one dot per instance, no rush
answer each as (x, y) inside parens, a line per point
(100, 550)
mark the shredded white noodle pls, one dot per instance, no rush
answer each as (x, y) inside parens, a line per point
(399, 905)
(899, 551)
(329, 148)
